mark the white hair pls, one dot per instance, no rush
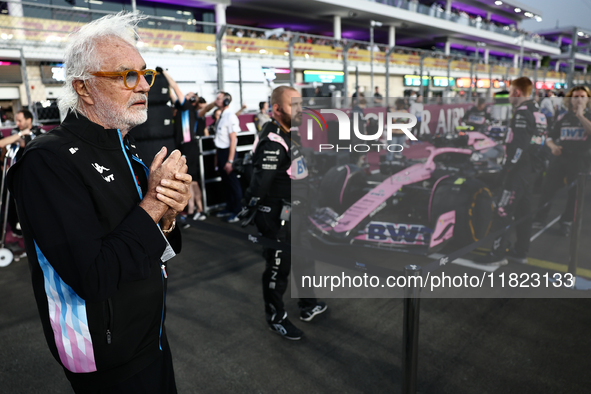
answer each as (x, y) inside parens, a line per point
(81, 56)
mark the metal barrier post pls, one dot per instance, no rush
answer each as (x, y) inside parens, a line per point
(535, 90)
(346, 69)
(422, 88)
(521, 56)
(371, 57)
(240, 81)
(571, 59)
(490, 85)
(388, 53)
(292, 41)
(578, 224)
(448, 87)
(219, 56)
(471, 79)
(27, 86)
(410, 329)
(243, 145)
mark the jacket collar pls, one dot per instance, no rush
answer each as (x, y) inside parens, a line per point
(90, 132)
(283, 129)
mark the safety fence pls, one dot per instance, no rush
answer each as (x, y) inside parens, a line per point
(212, 188)
(57, 23)
(437, 11)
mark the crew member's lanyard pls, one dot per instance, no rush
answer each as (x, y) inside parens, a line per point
(287, 133)
(215, 125)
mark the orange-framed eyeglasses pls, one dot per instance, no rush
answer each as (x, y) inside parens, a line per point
(131, 78)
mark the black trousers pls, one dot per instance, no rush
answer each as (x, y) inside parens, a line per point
(563, 166)
(13, 216)
(231, 183)
(515, 204)
(157, 378)
(278, 264)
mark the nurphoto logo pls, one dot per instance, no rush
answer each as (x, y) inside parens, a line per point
(402, 121)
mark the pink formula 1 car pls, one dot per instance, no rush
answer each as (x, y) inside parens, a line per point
(411, 206)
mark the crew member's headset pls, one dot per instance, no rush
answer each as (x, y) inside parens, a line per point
(227, 99)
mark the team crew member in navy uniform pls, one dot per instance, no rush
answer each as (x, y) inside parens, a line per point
(262, 116)
(570, 143)
(477, 115)
(279, 174)
(528, 128)
(99, 226)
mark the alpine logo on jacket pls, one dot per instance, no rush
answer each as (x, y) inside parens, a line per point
(298, 169)
(100, 169)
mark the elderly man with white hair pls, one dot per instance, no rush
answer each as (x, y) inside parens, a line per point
(99, 225)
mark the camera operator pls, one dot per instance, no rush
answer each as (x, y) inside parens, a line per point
(215, 116)
(570, 144)
(186, 133)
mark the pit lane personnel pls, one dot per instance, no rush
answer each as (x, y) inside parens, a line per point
(262, 116)
(526, 134)
(278, 180)
(570, 144)
(21, 135)
(477, 116)
(98, 224)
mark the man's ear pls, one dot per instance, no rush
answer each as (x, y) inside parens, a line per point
(82, 90)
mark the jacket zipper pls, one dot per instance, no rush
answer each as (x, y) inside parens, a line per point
(162, 266)
(164, 275)
(109, 317)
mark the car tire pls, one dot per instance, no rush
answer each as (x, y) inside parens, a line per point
(474, 206)
(341, 187)
(475, 212)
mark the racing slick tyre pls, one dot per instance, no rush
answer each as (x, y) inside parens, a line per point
(341, 186)
(474, 206)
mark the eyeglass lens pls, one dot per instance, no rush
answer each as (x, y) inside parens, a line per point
(132, 78)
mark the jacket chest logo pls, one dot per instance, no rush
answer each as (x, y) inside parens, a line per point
(100, 169)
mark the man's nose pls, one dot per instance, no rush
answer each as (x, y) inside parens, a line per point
(143, 86)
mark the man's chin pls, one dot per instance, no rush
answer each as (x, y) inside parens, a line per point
(137, 120)
(140, 116)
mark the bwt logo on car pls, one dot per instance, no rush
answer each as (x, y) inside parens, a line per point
(393, 122)
(411, 234)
